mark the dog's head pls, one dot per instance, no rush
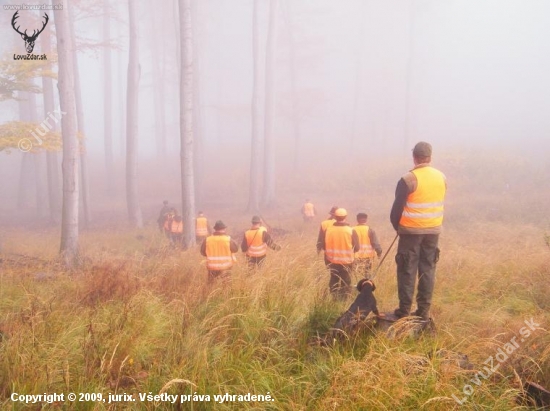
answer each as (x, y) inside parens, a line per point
(365, 282)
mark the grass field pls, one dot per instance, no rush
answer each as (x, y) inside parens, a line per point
(138, 317)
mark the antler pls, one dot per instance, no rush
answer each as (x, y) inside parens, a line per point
(15, 16)
(43, 26)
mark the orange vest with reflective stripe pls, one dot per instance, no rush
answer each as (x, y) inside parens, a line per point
(366, 250)
(327, 223)
(168, 223)
(201, 227)
(424, 207)
(255, 241)
(309, 210)
(176, 227)
(218, 253)
(339, 245)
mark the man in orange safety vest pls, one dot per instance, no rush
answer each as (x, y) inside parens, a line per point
(219, 250)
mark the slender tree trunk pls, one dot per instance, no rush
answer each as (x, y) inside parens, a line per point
(69, 220)
(256, 138)
(52, 163)
(27, 165)
(158, 87)
(38, 161)
(108, 100)
(269, 151)
(198, 143)
(132, 96)
(84, 189)
(186, 121)
(293, 88)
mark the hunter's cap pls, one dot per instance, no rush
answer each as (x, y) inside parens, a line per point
(219, 225)
(333, 210)
(422, 149)
(362, 216)
(341, 212)
(256, 220)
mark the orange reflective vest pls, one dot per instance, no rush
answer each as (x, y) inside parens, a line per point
(201, 227)
(424, 207)
(366, 250)
(218, 253)
(309, 210)
(176, 227)
(255, 241)
(339, 245)
(327, 223)
(168, 223)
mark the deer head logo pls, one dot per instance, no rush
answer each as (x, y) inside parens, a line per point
(29, 40)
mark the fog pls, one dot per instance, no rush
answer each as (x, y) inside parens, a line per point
(355, 85)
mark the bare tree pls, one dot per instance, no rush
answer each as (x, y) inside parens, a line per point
(108, 99)
(269, 151)
(158, 86)
(255, 152)
(186, 121)
(132, 95)
(69, 219)
(84, 189)
(51, 156)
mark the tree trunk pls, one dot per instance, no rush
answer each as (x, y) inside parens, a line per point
(158, 87)
(132, 96)
(269, 151)
(186, 122)
(256, 138)
(108, 100)
(293, 89)
(27, 165)
(408, 81)
(52, 164)
(69, 220)
(198, 143)
(84, 189)
(38, 161)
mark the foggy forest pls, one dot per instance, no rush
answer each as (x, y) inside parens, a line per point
(144, 145)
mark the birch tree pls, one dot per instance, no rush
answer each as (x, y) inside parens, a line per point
(69, 218)
(186, 121)
(132, 95)
(256, 137)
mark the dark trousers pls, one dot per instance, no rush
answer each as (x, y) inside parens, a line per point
(340, 280)
(417, 255)
(255, 262)
(218, 274)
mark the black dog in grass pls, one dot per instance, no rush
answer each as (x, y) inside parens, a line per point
(364, 304)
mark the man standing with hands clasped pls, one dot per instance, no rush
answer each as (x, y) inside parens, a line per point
(417, 216)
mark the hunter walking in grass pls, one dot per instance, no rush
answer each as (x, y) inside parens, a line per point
(417, 216)
(255, 243)
(218, 250)
(369, 246)
(340, 243)
(323, 228)
(162, 215)
(202, 229)
(308, 211)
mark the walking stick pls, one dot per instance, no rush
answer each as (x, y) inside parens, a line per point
(383, 258)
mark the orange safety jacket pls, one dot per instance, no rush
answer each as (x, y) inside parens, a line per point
(339, 245)
(424, 207)
(309, 210)
(201, 227)
(366, 250)
(327, 223)
(218, 253)
(176, 227)
(255, 241)
(168, 223)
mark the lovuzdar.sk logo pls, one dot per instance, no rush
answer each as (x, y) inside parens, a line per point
(29, 39)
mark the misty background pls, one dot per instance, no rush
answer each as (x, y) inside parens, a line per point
(356, 84)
